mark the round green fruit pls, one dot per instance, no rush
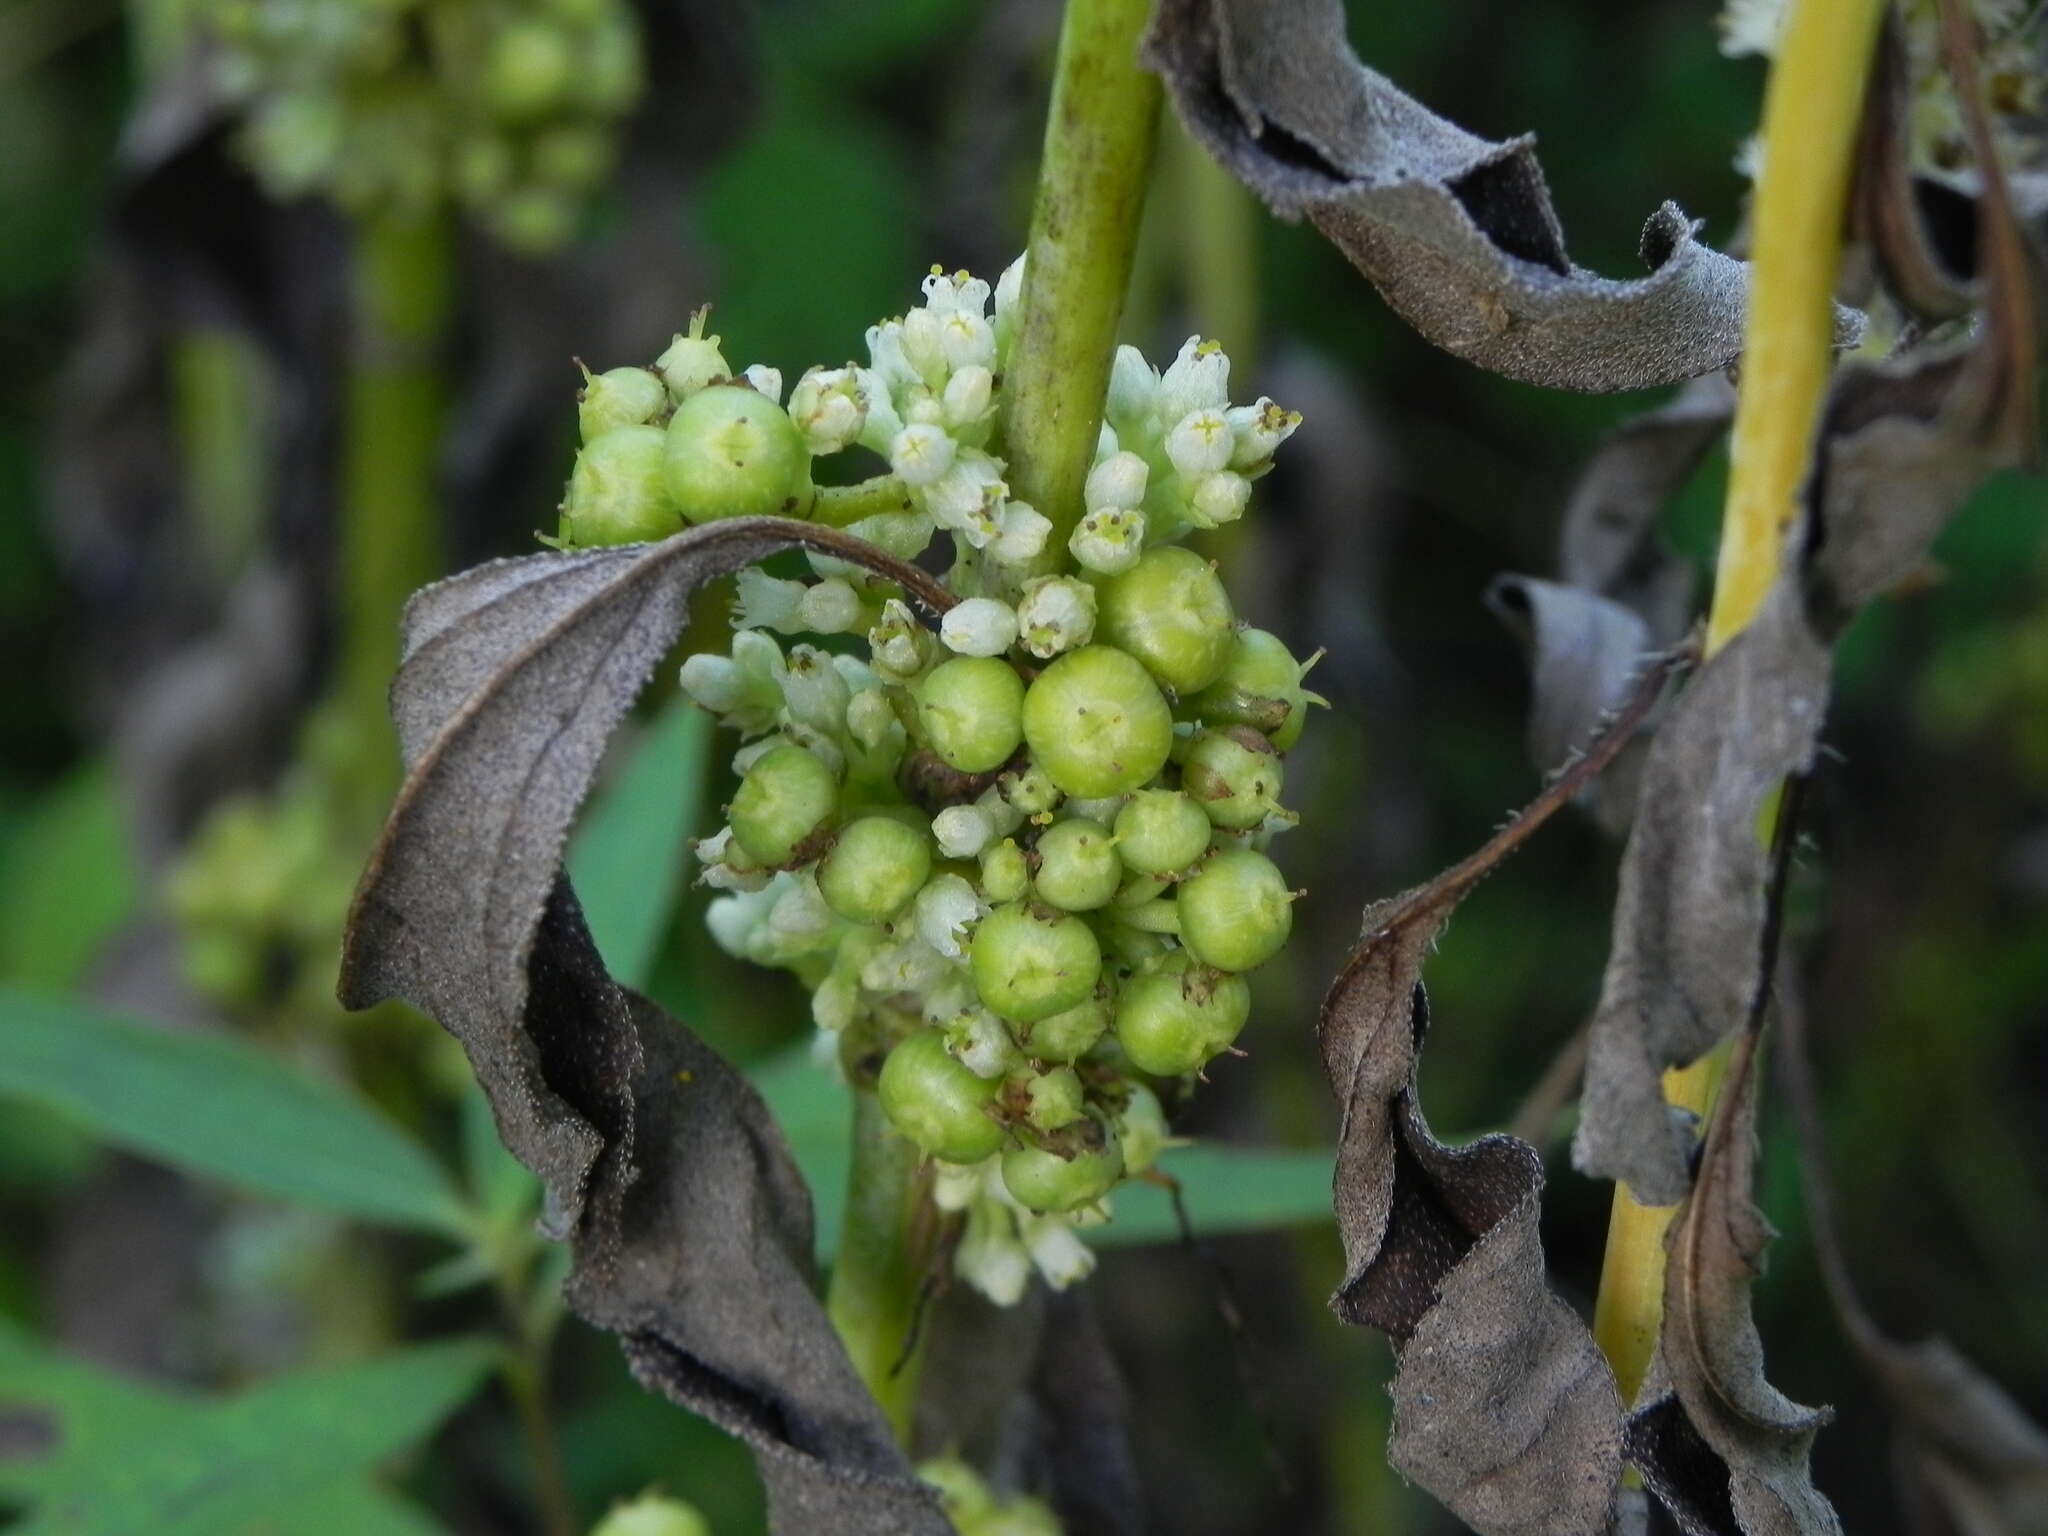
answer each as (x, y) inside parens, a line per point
(1097, 723)
(786, 798)
(1040, 1179)
(878, 864)
(1069, 1034)
(1078, 867)
(733, 452)
(1160, 831)
(1234, 775)
(935, 1103)
(1260, 686)
(1172, 1021)
(616, 491)
(1235, 911)
(1171, 612)
(1030, 962)
(619, 397)
(1005, 872)
(528, 70)
(971, 710)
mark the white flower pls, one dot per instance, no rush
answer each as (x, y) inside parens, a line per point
(990, 1258)
(761, 601)
(962, 831)
(800, 917)
(1257, 430)
(829, 407)
(871, 721)
(947, 294)
(956, 1186)
(1133, 388)
(967, 340)
(766, 380)
(981, 1042)
(733, 920)
(943, 911)
(744, 689)
(1200, 443)
(880, 421)
(911, 966)
(1060, 1256)
(1003, 817)
(1218, 499)
(1023, 533)
(921, 454)
(1109, 539)
(1009, 289)
(1057, 614)
(1750, 26)
(830, 608)
(1118, 481)
(836, 1003)
(968, 496)
(890, 361)
(1198, 378)
(979, 626)
(967, 397)
(813, 692)
(897, 642)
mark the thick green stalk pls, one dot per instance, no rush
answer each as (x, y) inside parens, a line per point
(390, 507)
(218, 392)
(1084, 231)
(872, 1300)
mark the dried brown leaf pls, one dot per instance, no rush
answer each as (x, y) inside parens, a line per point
(1503, 1406)
(690, 1227)
(1457, 233)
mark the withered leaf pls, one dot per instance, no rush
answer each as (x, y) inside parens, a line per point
(689, 1224)
(1503, 1406)
(1457, 233)
(1902, 444)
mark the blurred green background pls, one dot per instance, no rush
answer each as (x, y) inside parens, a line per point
(169, 580)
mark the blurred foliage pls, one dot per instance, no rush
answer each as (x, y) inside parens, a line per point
(884, 139)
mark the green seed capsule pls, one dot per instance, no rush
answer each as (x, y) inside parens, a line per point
(1078, 869)
(616, 491)
(1171, 612)
(936, 1103)
(1097, 723)
(1069, 1034)
(618, 397)
(733, 452)
(1235, 911)
(528, 70)
(1005, 872)
(1045, 1101)
(1171, 1021)
(971, 710)
(1260, 679)
(692, 361)
(1030, 791)
(1159, 831)
(1040, 1179)
(1030, 962)
(1234, 775)
(878, 864)
(786, 799)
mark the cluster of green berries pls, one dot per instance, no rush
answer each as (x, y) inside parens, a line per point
(1019, 862)
(509, 108)
(653, 1514)
(976, 1510)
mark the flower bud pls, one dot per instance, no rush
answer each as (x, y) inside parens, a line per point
(733, 452)
(1161, 831)
(831, 607)
(1005, 872)
(874, 869)
(945, 910)
(1133, 389)
(1171, 612)
(1069, 1034)
(1235, 911)
(618, 397)
(1234, 775)
(898, 644)
(761, 601)
(962, 831)
(970, 710)
(922, 339)
(1200, 444)
(1009, 289)
(1057, 614)
(1218, 499)
(1031, 961)
(813, 692)
(1197, 379)
(692, 361)
(979, 626)
(786, 798)
(829, 408)
(967, 340)
(1118, 481)
(617, 493)
(921, 454)
(1096, 723)
(1078, 867)
(967, 397)
(1108, 540)
(1174, 1020)
(1040, 1179)
(936, 1103)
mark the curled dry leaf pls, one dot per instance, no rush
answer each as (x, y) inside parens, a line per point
(1503, 1406)
(1457, 233)
(690, 1226)
(1902, 445)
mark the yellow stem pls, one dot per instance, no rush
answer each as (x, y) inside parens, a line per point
(1812, 107)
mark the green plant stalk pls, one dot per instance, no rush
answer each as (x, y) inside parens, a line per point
(841, 506)
(530, 1319)
(403, 292)
(1812, 109)
(872, 1299)
(1084, 232)
(217, 381)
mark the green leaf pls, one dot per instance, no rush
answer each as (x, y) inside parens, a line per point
(1227, 1189)
(284, 1457)
(628, 858)
(67, 880)
(213, 1105)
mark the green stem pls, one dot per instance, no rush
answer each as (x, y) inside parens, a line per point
(1084, 231)
(390, 518)
(218, 392)
(873, 1296)
(525, 1374)
(841, 506)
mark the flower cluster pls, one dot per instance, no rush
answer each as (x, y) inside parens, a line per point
(1020, 862)
(510, 111)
